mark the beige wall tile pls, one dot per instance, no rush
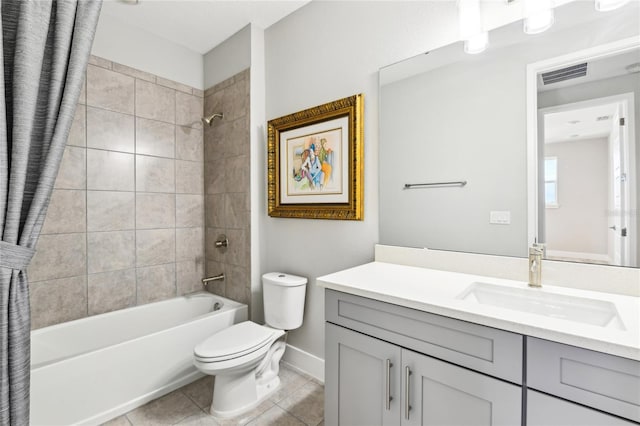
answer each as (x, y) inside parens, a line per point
(214, 211)
(189, 243)
(110, 211)
(155, 210)
(189, 210)
(110, 90)
(66, 212)
(214, 140)
(189, 177)
(237, 250)
(110, 251)
(142, 75)
(58, 256)
(155, 138)
(189, 110)
(156, 283)
(214, 173)
(109, 171)
(236, 178)
(236, 142)
(198, 92)
(155, 102)
(78, 131)
(100, 62)
(155, 174)
(237, 285)
(236, 210)
(110, 130)
(189, 275)
(189, 144)
(110, 291)
(175, 85)
(72, 173)
(56, 301)
(235, 100)
(155, 246)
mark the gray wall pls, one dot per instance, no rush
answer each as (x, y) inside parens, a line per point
(323, 52)
(579, 223)
(228, 58)
(125, 223)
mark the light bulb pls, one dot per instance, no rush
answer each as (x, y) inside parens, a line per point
(607, 5)
(476, 44)
(539, 16)
(539, 22)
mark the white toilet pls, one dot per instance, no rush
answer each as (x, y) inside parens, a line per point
(245, 357)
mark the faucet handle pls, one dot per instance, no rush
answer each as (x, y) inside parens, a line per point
(538, 248)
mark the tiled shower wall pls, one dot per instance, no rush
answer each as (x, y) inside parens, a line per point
(126, 221)
(226, 154)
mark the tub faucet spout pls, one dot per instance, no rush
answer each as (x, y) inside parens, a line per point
(218, 277)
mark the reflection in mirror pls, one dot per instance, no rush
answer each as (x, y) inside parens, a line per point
(448, 116)
(588, 156)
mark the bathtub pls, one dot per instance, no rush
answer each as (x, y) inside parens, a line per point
(93, 369)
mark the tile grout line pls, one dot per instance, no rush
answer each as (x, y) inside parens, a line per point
(86, 188)
(175, 191)
(135, 189)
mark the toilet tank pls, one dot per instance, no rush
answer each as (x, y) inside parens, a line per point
(283, 296)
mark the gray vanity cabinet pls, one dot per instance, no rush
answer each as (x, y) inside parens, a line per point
(383, 369)
(367, 389)
(545, 410)
(438, 393)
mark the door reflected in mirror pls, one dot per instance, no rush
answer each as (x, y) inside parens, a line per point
(588, 158)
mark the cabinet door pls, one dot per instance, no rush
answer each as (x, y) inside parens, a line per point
(362, 380)
(545, 410)
(438, 393)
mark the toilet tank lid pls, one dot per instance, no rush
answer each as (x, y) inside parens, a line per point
(285, 280)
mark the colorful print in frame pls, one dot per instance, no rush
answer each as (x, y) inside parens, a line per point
(315, 162)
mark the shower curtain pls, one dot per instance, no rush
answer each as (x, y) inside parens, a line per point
(45, 49)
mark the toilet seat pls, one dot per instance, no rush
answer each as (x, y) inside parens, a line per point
(236, 341)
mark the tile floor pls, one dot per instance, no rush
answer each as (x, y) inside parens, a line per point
(298, 402)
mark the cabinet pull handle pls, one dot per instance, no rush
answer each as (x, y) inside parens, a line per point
(387, 396)
(407, 387)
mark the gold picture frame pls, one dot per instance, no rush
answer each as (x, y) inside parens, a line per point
(315, 162)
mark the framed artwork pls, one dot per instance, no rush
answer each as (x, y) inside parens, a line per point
(315, 162)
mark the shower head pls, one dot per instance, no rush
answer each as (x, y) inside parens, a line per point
(208, 120)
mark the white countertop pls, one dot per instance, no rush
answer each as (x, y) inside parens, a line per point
(435, 291)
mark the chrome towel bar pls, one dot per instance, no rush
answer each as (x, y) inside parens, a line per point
(435, 184)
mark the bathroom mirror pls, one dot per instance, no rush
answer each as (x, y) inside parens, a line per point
(472, 127)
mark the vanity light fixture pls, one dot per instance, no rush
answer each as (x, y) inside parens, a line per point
(539, 16)
(475, 38)
(607, 5)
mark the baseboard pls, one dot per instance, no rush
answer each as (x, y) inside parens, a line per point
(304, 362)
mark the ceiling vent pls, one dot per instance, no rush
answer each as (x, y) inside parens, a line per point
(563, 74)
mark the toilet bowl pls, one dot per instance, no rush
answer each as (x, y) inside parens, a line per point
(245, 357)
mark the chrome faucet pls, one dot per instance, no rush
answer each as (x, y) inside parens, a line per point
(536, 252)
(218, 277)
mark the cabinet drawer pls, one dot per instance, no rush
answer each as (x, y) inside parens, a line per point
(545, 410)
(606, 382)
(488, 350)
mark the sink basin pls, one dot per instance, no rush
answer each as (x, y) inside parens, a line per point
(537, 301)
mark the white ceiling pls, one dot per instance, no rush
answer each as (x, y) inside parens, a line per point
(199, 25)
(579, 124)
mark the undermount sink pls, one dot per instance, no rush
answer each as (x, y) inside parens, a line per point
(537, 301)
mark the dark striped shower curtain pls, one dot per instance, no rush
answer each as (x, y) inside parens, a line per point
(45, 49)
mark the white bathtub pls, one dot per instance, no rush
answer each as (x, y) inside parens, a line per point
(93, 369)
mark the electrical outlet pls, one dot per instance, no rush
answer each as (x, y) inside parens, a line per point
(500, 217)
